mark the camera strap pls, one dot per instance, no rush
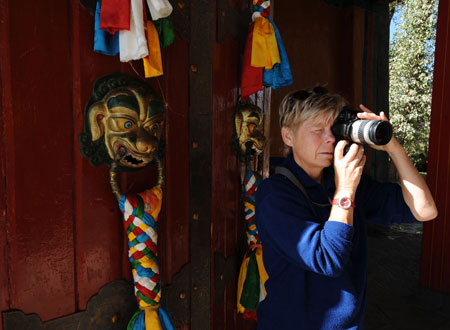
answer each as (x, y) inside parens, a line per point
(291, 177)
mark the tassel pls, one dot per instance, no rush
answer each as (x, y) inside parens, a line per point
(241, 281)
(252, 276)
(140, 213)
(250, 291)
(152, 320)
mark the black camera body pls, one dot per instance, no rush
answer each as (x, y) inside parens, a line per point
(348, 126)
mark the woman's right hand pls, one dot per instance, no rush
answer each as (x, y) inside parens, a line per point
(348, 168)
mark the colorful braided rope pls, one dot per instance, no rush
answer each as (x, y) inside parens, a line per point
(252, 275)
(140, 214)
(251, 183)
(262, 7)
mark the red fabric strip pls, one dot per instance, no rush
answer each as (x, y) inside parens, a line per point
(252, 78)
(115, 15)
(146, 292)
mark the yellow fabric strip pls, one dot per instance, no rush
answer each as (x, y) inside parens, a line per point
(152, 320)
(264, 46)
(158, 193)
(262, 270)
(249, 206)
(241, 280)
(153, 63)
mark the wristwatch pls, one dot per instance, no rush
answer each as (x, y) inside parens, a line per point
(343, 202)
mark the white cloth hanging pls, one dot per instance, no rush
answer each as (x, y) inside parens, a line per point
(133, 43)
(159, 8)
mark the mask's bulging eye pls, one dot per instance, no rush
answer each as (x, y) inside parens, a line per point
(153, 129)
(124, 124)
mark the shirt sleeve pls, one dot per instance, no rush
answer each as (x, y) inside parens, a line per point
(383, 203)
(287, 225)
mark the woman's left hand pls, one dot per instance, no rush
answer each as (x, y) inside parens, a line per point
(369, 115)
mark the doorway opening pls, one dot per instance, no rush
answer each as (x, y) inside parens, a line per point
(411, 66)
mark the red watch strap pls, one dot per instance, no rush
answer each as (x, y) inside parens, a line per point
(336, 201)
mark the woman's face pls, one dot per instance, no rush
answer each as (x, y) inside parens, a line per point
(312, 144)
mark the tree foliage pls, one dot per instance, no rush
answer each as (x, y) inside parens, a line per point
(411, 63)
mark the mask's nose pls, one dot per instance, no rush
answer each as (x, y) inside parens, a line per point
(145, 143)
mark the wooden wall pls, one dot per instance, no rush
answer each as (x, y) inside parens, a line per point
(61, 232)
(325, 47)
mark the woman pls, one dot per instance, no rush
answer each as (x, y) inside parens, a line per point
(314, 241)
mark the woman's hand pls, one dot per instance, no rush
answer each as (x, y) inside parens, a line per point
(348, 168)
(415, 191)
(369, 115)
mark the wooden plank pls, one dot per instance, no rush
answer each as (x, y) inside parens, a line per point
(200, 126)
(5, 117)
(435, 268)
(226, 202)
(174, 230)
(39, 161)
(101, 251)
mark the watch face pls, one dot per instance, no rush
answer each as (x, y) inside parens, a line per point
(345, 202)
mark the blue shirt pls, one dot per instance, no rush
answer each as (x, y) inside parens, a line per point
(317, 268)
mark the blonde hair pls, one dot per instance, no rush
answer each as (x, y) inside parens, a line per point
(310, 104)
(315, 104)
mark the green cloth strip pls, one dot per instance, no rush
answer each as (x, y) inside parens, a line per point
(133, 320)
(251, 289)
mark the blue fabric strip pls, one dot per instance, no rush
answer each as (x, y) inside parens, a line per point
(104, 42)
(165, 319)
(150, 221)
(140, 322)
(145, 272)
(280, 75)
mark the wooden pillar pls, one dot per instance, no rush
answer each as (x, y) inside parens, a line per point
(200, 127)
(435, 267)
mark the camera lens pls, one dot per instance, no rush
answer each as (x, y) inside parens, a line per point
(377, 132)
(382, 132)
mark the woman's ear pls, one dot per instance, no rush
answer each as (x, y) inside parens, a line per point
(287, 135)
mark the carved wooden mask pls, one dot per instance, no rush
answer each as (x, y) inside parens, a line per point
(123, 120)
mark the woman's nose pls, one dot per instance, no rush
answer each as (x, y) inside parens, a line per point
(329, 136)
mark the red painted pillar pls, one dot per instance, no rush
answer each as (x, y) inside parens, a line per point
(435, 267)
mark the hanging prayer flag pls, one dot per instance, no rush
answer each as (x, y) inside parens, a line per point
(104, 42)
(264, 48)
(165, 32)
(159, 8)
(252, 77)
(115, 15)
(280, 75)
(133, 43)
(153, 63)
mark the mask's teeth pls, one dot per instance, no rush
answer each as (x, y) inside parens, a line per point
(130, 159)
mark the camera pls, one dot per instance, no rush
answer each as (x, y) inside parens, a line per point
(348, 126)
